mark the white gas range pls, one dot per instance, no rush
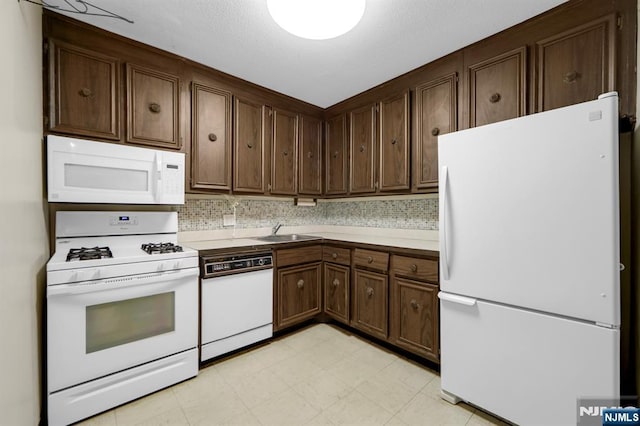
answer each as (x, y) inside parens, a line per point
(122, 311)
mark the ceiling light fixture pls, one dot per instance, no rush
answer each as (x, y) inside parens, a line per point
(317, 19)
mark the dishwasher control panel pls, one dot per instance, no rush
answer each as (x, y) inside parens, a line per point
(234, 264)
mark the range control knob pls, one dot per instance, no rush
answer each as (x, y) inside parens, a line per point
(261, 262)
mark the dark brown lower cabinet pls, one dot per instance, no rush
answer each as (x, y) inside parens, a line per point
(336, 291)
(414, 317)
(299, 296)
(370, 302)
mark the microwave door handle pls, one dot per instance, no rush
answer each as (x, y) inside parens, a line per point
(157, 177)
(111, 283)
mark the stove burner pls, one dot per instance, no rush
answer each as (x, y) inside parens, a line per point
(153, 248)
(90, 253)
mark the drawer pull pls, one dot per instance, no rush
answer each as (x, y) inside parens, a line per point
(300, 283)
(414, 268)
(334, 255)
(495, 98)
(336, 282)
(414, 304)
(370, 291)
(369, 259)
(570, 77)
(435, 131)
(154, 107)
(213, 137)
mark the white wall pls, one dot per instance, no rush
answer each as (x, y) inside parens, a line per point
(23, 238)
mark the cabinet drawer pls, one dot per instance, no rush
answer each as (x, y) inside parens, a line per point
(371, 259)
(336, 255)
(295, 256)
(417, 269)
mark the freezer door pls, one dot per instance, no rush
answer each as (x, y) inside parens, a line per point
(529, 211)
(526, 367)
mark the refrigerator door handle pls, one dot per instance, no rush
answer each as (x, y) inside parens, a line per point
(443, 223)
(461, 300)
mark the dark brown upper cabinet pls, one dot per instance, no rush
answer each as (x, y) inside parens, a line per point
(248, 146)
(336, 156)
(153, 107)
(436, 114)
(284, 154)
(576, 65)
(310, 158)
(498, 88)
(83, 92)
(211, 138)
(362, 167)
(394, 143)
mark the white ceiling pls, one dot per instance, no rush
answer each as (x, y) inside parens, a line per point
(240, 38)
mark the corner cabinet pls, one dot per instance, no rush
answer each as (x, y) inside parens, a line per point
(394, 143)
(84, 88)
(370, 292)
(310, 158)
(336, 156)
(336, 282)
(153, 108)
(211, 138)
(298, 285)
(435, 115)
(248, 146)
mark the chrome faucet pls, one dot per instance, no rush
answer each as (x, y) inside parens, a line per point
(275, 229)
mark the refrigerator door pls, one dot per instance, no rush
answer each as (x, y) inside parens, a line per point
(529, 211)
(526, 367)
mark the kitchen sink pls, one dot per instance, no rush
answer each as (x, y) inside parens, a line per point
(285, 238)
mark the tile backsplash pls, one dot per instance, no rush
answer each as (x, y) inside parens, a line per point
(206, 214)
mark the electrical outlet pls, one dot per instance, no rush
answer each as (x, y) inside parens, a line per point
(228, 220)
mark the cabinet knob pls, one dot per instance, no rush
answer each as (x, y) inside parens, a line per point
(336, 282)
(370, 291)
(285, 152)
(361, 148)
(300, 283)
(213, 137)
(335, 154)
(309, 154)
(249, 146)
(154, 107)
(85, 92)
(334, 255)
(414, 267)
(414, 304)
(495, 98)
(570, 77)
(369, 259)
(435, 131)
(394, 141)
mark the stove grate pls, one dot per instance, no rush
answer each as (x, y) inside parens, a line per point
(89, 253)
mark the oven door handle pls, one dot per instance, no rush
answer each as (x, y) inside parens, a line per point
(121, 283)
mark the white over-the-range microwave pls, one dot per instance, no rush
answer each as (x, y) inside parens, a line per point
(83, 171)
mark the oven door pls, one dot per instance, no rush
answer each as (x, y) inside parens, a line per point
(100, 327)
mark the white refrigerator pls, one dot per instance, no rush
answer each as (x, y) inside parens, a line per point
(529, 258)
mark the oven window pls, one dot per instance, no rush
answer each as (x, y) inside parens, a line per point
(96, 177)
(116, 323)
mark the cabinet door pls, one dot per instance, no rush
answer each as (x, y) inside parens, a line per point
(284, 168)
(414, 322)
(211, 133)
(298, 293)
(497, 88)
(336, 291)
(577, 65)
(394, 143)
(370, 295)
(336, 156)
(248, 147)
(310, 156)
(84, 92)
(435, 106)
(362, 125)
(153, 105)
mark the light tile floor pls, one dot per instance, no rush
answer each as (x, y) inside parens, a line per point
(320, 375)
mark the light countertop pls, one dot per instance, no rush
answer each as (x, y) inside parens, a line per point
(400, 238)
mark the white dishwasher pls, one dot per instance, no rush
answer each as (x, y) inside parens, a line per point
(236, 302)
